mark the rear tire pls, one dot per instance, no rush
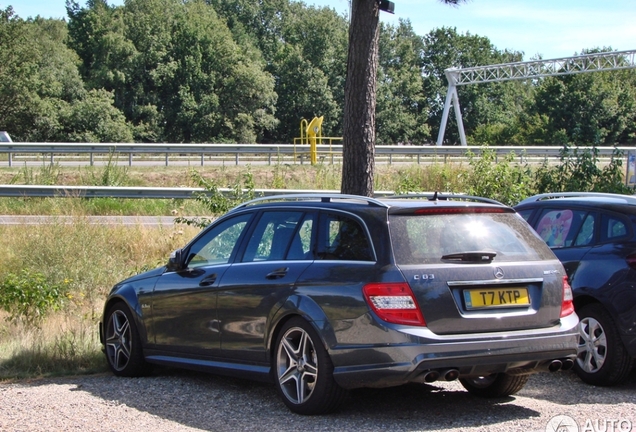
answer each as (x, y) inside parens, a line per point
(602, 359)
(122, 343)
(303, 371)
(495, 385)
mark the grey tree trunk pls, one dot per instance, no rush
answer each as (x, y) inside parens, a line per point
(360, 93)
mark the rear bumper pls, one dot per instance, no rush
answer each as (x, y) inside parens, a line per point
(475, 355)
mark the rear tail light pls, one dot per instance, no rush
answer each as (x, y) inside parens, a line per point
(394, 303)
(631, 261)
(567, 305)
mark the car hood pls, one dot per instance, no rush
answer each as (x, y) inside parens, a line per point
(145, 275)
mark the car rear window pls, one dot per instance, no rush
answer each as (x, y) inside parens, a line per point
(419, 239)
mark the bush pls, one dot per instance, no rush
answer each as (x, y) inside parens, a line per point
(28, 297)
(216, 202)
(579, 171)
(504, 181)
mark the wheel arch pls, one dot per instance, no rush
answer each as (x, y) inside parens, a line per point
(585, 299)
(306, 308)
(128, 297)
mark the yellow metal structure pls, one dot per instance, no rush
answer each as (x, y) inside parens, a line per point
(314, 132)
(311, 133)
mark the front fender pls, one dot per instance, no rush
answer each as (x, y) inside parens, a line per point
(131, 292)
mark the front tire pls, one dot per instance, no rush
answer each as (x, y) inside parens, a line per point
(122, 343)
(304, 371)
(602, 359)
(495, 385)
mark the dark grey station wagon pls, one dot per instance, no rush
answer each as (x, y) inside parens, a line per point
(325, 293)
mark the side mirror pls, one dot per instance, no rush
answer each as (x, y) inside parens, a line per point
(175, 262)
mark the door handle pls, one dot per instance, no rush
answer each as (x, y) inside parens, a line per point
(278, 273)
(209, 280)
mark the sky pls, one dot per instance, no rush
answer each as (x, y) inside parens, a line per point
(547, 28)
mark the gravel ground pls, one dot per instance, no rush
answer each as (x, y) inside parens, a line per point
(174, 400)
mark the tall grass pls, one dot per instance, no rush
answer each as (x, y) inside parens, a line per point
(86, 259)
(441, 177)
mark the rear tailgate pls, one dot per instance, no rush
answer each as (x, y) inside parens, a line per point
(476, 270)
(487, 298)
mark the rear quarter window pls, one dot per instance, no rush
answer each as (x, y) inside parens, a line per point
(343, 238)
(419, 239)
(614, 228)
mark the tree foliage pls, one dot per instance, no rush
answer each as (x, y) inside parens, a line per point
(232, 71)
(593, 108)
(580, 170)
(178, 74)
(490, 106)
(401, 105)
(42, 95)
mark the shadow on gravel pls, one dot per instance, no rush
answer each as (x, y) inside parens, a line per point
(566, 388)
(211, 402)
(216, 403)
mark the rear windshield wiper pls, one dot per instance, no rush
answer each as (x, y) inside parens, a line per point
(470, 257)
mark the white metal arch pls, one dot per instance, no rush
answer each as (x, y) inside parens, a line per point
(526, 70)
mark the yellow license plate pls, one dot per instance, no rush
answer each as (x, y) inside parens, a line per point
(496, 297)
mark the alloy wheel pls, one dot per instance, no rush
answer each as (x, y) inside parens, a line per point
(592, 348)
(297, 365)
(118, 340)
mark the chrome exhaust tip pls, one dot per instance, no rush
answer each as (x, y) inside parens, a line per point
(568, 364)
(555, 365)
(450, 375)
(431, 376)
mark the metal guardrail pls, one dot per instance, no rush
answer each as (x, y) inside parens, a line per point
(331, 153)
(21, 191)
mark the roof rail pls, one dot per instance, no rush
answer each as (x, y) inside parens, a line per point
(446, 196)
(311, 196)
(630, 199)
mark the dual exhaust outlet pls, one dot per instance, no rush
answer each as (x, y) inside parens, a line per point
(560, 364)
(452, 374)
(434, 375)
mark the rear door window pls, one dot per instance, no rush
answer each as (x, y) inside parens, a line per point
(585, 236)
(273, 236)
(564, 227)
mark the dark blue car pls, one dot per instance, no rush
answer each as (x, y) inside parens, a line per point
(594, 236)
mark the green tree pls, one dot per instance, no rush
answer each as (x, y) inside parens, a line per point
(175, 70)
(486, 108)
(255, 23)
(586, 109)
(40, 86)
(18, 75)
(401, 109)
(580, 171)
(304, 48)
(309, 69)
